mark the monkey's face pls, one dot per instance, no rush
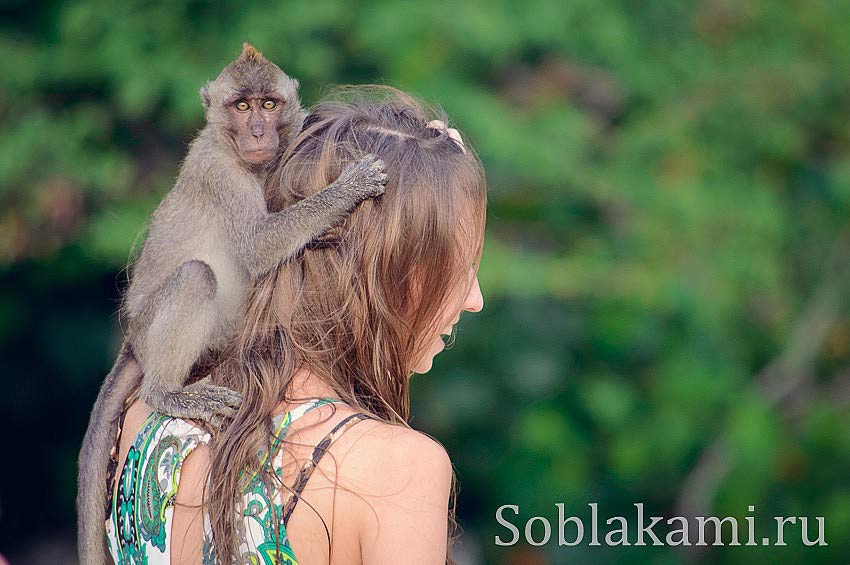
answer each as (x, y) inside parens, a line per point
(255, 122)
(254, 103)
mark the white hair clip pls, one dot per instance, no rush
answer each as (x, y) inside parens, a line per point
(453, 133)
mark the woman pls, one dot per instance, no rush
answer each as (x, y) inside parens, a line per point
(319, 464)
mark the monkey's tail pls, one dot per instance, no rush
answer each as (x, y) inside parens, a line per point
(94, 458)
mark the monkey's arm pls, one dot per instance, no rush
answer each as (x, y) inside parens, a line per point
(279, 236)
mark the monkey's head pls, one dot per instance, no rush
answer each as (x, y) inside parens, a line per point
(255, 104)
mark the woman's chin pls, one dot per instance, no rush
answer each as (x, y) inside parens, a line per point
(424, 365)
(426, 362)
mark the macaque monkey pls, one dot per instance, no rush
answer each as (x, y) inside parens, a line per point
(209, 238)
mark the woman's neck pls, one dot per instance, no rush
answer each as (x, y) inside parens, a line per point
(306, 384)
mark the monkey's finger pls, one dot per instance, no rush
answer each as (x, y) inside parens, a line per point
(377, 165)
(220, 414)
(230, 398)
(217, 422)
(367, 164)
(232, 402)
(376, 172)
(370, 159)
(219, 398)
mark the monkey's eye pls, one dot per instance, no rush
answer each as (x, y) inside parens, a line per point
(242, 106)
(269, 104)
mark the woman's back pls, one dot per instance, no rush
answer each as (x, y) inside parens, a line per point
(390, 482)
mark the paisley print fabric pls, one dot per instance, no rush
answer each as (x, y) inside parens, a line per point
(144, 499)
(142, 506)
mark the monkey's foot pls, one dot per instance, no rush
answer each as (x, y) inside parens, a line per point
(198, 401)
(365, 177)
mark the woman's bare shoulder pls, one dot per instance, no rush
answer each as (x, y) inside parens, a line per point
(402, 481)
(380, 450)
(393, 467)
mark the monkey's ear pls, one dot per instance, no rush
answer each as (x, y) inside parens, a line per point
(205, 97)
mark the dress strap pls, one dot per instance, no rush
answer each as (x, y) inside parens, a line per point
(305, 407)
(281, 422)
(280, 427)
(309, 466)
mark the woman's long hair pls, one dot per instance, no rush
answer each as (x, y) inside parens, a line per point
(360, 306)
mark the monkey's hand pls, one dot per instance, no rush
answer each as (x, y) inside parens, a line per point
(201, 400)
(365, 178)
(281, 235)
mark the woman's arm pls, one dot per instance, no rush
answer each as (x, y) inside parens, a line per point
(187, 527)
(407, 486)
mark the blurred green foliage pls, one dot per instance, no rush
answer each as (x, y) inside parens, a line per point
(666, 271)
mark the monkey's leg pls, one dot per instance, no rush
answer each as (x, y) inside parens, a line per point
(180, 323)
(92, 495)
(285, 233)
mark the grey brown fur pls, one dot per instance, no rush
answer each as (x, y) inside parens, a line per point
(207, 240)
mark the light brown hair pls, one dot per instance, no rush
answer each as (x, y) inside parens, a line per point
(359, 307)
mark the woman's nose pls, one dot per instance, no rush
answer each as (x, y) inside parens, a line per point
(474, 300)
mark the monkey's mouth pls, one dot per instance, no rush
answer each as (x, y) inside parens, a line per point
(257, 155)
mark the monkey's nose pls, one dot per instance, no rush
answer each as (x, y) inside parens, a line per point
(257, 131)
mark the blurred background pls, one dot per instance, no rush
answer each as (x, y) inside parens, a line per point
(666, 273)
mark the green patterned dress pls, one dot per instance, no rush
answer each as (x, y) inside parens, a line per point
(142, 506)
